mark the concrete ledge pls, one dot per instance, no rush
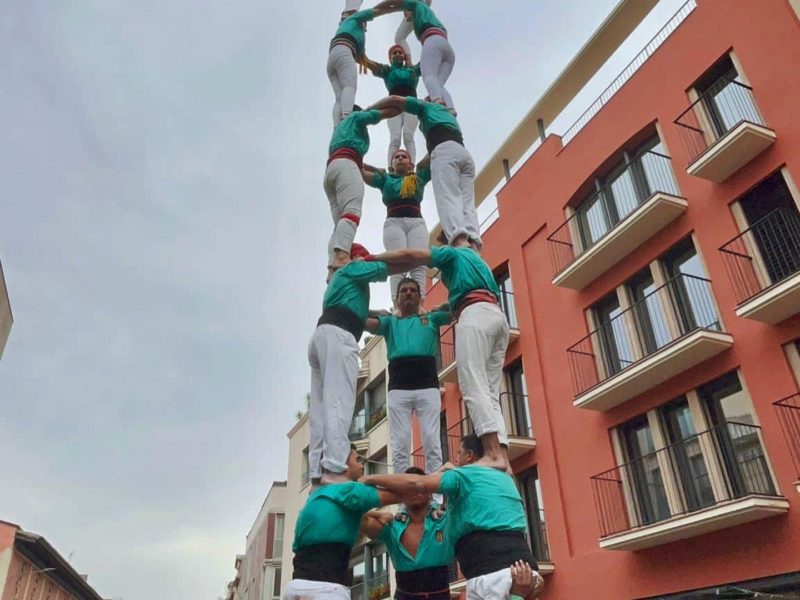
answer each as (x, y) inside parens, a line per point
(775, 304)
(732, 151)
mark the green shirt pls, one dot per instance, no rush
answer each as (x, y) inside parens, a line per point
(399, 76)
(417, 335)
(481, 499)
(352, 27)
(390, 185)
(349, 286)
(431, 114)
(352, 131)
(463, 271)
(332, 514)
(435, 548)
(423, 16)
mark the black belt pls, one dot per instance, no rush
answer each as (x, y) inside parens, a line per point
(323, 562)
(403, 90)
(413, 373)
(431, 579)
(439, 134)
(403, 208)
(483, 552)
(348, 39)
(343, 318)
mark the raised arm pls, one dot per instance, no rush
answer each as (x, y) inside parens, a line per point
(388, 6)
(373, 522)
(425, 163)
(406, 486)
(414, 257)
(394, 102)
(369, 174)
(373, 323)
(374, 67)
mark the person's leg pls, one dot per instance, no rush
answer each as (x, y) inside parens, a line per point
(418, 237)
(333, 77)
(492, 586)
(348, 75)
(400, 429)
(410, 123)
(447, 184)
(474, 344)
(446, 69)
(428, 406)
(339, 375)
(495, 362)
(351, 5)
(394, 238)
(302, 589)
(343, 179)
(395, 125)
(430, 63)
(467, 193)
(329, 184)
(315, 416)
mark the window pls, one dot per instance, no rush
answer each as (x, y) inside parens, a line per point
(507, 298)
(691, 292)
(649, 311)
(379, 572)
(616, 350)
(443, 437)
(514, 402)
(358, 426)
(377, 463)
(644, 471)
(304, 466)
(725, 99)
(531, 491)
(276, 584)
(277, 539)
(375, 400)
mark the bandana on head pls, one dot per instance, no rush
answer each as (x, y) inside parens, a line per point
(408, 189)
(393, 48)
(358, 251)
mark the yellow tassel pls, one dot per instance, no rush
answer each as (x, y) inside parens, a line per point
(408, 189)
(363, 64)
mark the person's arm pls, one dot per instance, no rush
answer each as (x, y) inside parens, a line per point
(376, 321)
(373, 522)
(390, 102)
(414, 257)
(372, 176)
(425, 163)
(389, 6)
(377, 69)
(404, 485)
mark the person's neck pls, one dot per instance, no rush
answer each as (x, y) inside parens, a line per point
(408, 313)
(417, 514)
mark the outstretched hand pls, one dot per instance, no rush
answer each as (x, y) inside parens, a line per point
(525, 581)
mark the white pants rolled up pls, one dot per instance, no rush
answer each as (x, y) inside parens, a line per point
(453, 175)
(343, 75)
(344, 187)
(427, 403)
(402, 129)
(333, 358)
(400, 233)
(481, 343)
(492, 586)
(302, 589)
(436, 63)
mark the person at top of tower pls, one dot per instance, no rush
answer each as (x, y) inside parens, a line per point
(333, 359)
(402, 192)
(452, 167)
(481, 336)
(401, 78)
(437, 58)
(412, 343)
(346, 51)
(326, 530)
(486, 522)
(419, 547)
(343, 181)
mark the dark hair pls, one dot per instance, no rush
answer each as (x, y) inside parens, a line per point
(353, 447)
(414, 471)
(406, 280)
(473, 443)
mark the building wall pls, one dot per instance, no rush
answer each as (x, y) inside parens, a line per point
(259, 563)
(574, 444)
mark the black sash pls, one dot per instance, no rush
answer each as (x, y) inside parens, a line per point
(344, 319)
(413, 373)
(483, 552)
(431, 579)
(323, 562)
(439, 134)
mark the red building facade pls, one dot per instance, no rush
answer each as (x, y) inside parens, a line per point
(650, 262)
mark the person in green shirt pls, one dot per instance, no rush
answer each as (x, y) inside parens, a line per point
(452, 167)
(333, 358)
(485, 517)
(402, 192)
(412, 342)
(419, 547)
(326, 529)
(401, 77)
(438, 57)
(481, 336)
(343, 182)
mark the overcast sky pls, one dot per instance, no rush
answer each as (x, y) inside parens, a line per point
(163, 231)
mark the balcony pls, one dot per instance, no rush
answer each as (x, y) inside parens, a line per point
(516, 413)
(376, 588)
(6, 318)
(763, 264)
(615, 221)
(667, 332)
(723, 130)
(789, 416)
(363, 371)
(710, 481)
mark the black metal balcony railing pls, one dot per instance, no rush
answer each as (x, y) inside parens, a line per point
(789, 416)
(721, 464)
(447, 347)
(516, 412)
(451, 443)
(376, 588)
(680, 306)
(509, 308)
(725, 105)
(358, 427)
(763, 255)
(645, 176)
(539, 545)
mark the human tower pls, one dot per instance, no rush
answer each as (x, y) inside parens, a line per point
(478, 517)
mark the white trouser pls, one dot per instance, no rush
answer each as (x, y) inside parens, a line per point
(302, 589)
(400, 233)
(333, 358)
(404, 30)
(403, 127)
(344, 187)
(436, 63)
(481, 343)
(343, 75)
(427, 404)
(352, 5)
(453, 175)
